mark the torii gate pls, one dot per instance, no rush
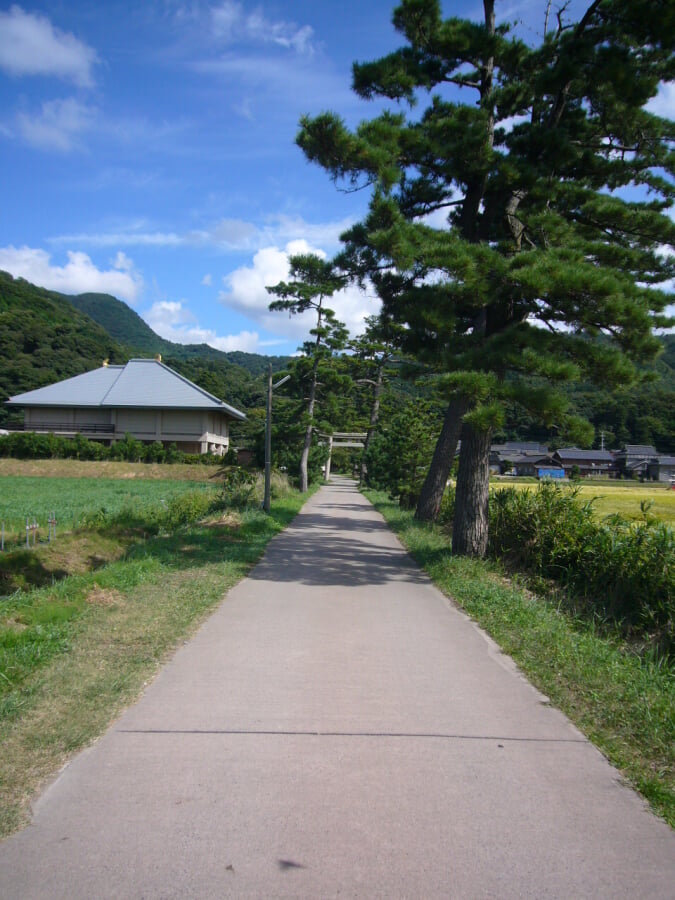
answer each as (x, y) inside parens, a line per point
(342, 439)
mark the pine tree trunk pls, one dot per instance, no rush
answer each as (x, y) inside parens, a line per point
(470, 526)
(374, 416)
(304, 458)
(431, 495)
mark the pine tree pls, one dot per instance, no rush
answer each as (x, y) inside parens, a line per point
(373, 352)
(554, 181)
(314, 279)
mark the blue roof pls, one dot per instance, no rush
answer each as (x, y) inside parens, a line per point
(140, 384)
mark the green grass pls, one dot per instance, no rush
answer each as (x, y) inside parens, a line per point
(74, 498)
(625, 704)
(73, 654)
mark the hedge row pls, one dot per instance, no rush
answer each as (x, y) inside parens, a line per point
(29, 445)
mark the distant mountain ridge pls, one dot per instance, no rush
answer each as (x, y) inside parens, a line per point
(128, 328)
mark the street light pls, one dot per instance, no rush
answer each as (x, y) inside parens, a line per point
(268, 434)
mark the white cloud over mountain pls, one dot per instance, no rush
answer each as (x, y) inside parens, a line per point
(78, 276)
(245, 292)
(175, 322)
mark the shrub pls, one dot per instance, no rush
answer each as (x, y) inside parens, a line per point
(29, 445)
(154, 453)
(128, 449)
(188, 508)
(624, 571)
(239, 486)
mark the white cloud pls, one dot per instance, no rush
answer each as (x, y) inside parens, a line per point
(207, 280)
(58, 126)
(232, 24)
(225, 234)
(245, 292)
(79, 275)
(31, 45)
(664, 102)
(174, 322)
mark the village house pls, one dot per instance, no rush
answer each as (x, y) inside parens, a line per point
(143, 398)
(585, 463)
(503, 456)
(632, 461)
(538, 465)
(661, 468)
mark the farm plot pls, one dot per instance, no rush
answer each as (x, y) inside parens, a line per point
(610, 497)
(74, 500)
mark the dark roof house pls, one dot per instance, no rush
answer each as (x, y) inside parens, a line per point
(538, 465)
(143, 398)
(633, 459)
(588, 462)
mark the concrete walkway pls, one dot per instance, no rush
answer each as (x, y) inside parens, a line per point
(337, 728)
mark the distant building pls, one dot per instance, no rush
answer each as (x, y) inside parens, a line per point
(143, 398)
(590, 463)
(633, 460)
(503, 456)
(538, 465)
(661, 468)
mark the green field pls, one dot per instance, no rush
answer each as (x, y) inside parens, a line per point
(611, 497)
(74, 498)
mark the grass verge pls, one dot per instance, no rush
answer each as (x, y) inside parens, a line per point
(624, 704)
(74, 655)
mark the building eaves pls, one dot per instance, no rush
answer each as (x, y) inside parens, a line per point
(140, 384)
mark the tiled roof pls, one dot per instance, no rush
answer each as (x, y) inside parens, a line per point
(141, 384)
(519, 447)
(639, 450)
(573, 453)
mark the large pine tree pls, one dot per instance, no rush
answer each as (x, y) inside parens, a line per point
(553, 182)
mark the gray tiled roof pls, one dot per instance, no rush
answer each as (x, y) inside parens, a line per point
(82, 390)
(639, 450)
(573, 453)
(141, 383)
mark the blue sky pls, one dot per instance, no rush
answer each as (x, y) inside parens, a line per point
(146, 150)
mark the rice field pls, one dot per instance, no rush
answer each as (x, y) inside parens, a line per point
(622, 497)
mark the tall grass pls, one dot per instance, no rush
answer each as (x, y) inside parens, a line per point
(622, 570)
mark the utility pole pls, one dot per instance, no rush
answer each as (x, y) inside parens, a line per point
(268, 435)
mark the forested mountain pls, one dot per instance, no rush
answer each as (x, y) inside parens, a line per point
(127, 327)
(43, 339)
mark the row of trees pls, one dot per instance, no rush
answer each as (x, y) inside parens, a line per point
(552, 183)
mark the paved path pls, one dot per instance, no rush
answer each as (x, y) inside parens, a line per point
(337, 728)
